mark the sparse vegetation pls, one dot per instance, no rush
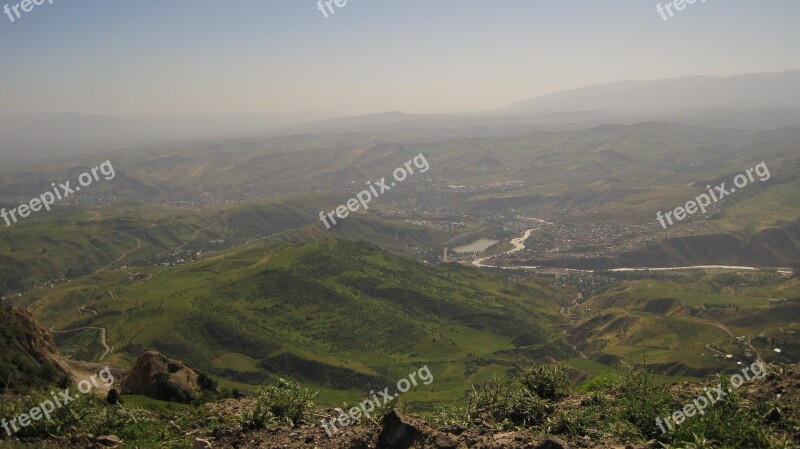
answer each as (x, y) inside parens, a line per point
(507, 403)
(90, 415)
(284, 403)
(625, 406)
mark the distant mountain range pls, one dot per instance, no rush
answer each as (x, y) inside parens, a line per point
(752, 101)
(693, 93)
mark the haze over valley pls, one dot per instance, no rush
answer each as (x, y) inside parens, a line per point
(587, 246)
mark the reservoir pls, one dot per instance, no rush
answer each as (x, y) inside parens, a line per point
(477, 246)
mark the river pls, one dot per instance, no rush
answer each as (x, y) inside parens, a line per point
(519, 245)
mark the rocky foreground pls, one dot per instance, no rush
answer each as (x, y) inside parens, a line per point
(402, 431)
(765, 409)
(396, 431)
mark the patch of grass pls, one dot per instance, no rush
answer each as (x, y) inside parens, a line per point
(94, 416)
(641, 400)
(507, 403)
(525, 400)
(729, 423)
(547, 381)
(284, 403)
(602, 382)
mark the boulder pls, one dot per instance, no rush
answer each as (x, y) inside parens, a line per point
(395, 434)
(158, 377)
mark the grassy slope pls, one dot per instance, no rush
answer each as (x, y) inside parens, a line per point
(72, 243)
(23, 362)
(336, 314)
(670, 322)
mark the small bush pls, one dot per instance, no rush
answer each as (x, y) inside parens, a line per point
(729, 423)
(507, 402)
(448, 415)
(285, 403)
(94, 416)
(547, 381)
(206, 383)
(642, 400)
(597, 416)
(601, 382)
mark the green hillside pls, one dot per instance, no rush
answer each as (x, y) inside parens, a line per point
(26, 353)
(72, 243)
(686, 325)
(337, 314)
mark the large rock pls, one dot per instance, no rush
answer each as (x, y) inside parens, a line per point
(395, 434)
(156, 376)
(27, 352)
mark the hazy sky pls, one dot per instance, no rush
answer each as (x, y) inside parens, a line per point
(141, 57)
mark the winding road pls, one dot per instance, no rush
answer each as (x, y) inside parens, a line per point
(124, 255)
(102, 337)
(197, 232)
(83, 309)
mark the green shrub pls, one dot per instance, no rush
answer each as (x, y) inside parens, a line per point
(547, 381)
(601, 382)
(449, 414)
(729, 423)
(507, 402)
(641, 400)
(594, 418)
(207, 383)
(285, 403)
(92, 415)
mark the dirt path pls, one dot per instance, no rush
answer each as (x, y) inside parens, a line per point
(84, 309)
(718, 352)
(124, 255)
(197, 232)
(710, 323)
(749, 345)
(102, 337)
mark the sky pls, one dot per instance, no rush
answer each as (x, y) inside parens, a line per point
(182, 57)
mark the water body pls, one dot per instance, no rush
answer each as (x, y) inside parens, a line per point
(477, 246)
(519, 245)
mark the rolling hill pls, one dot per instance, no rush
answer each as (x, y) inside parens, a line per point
(686, 325)
(334, 313)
